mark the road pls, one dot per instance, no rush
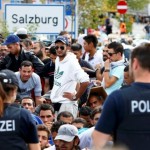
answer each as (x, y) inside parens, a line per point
(137, 29)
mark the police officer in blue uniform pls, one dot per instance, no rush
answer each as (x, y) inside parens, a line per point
(17, 128)
(126, 112)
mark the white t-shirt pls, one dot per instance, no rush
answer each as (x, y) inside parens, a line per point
(96, 59)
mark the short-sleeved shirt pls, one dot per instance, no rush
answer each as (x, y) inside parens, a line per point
(25, 88)
(113, 110)
(117, 72)
(17, 129)
(96, 59)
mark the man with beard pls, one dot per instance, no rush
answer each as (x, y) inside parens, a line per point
(29, 82)
(3, 51)
(68, 73)
(43, 135)
(68, 137)
(17, 55)
(126, 112)
(99, 68)
(39, 51)
(113, 74)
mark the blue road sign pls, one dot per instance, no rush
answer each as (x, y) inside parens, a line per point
(0, 4)
(69, 7)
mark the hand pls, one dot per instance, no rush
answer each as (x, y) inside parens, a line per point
(68, 95)
(98, 66)
(107, 64)
(49, 125)
(96, 82)
(42, 100)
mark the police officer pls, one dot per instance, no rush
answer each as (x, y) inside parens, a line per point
(126, 112)
(17, 129)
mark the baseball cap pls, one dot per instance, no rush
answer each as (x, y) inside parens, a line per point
(8, 77)
(67, 133)
(22, 33)
(62, 39)
(11, 39)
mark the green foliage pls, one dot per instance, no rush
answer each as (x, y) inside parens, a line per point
(4, 28)
(32, 28)
(137, 4)
(132, 4)
(129, 23)
(89, 10)
(43, 1)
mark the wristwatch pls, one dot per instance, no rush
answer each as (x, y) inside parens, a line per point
(106, 70)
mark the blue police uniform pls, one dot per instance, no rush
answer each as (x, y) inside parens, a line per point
(126, 114)
(17, 129)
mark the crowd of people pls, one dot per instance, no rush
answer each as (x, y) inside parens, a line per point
(73, 95)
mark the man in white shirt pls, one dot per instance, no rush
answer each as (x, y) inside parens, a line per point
(92, 55)
(68, 73)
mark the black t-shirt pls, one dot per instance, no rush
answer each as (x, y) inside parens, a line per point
(86, 64)
(48, 72)
(47, 60)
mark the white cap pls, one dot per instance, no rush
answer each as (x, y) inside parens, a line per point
(67, 133)
(21, 31)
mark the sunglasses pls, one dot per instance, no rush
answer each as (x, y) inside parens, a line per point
(110, 54)
(61, 47)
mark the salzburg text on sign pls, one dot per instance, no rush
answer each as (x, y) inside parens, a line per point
(50, 19)
(34, 19)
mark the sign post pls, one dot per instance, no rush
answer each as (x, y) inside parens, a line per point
(122, 7)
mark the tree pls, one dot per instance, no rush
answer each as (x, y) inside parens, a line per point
(132, 4)
(90, 10)
(4, 28)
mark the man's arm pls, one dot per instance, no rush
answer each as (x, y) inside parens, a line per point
(109, 81)
(37, 64)
(39, 100)
(82, 89)
(99, 139)
(46, 85)
(79, 93)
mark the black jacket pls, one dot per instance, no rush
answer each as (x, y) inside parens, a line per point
(12, 63)
(92, 72)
